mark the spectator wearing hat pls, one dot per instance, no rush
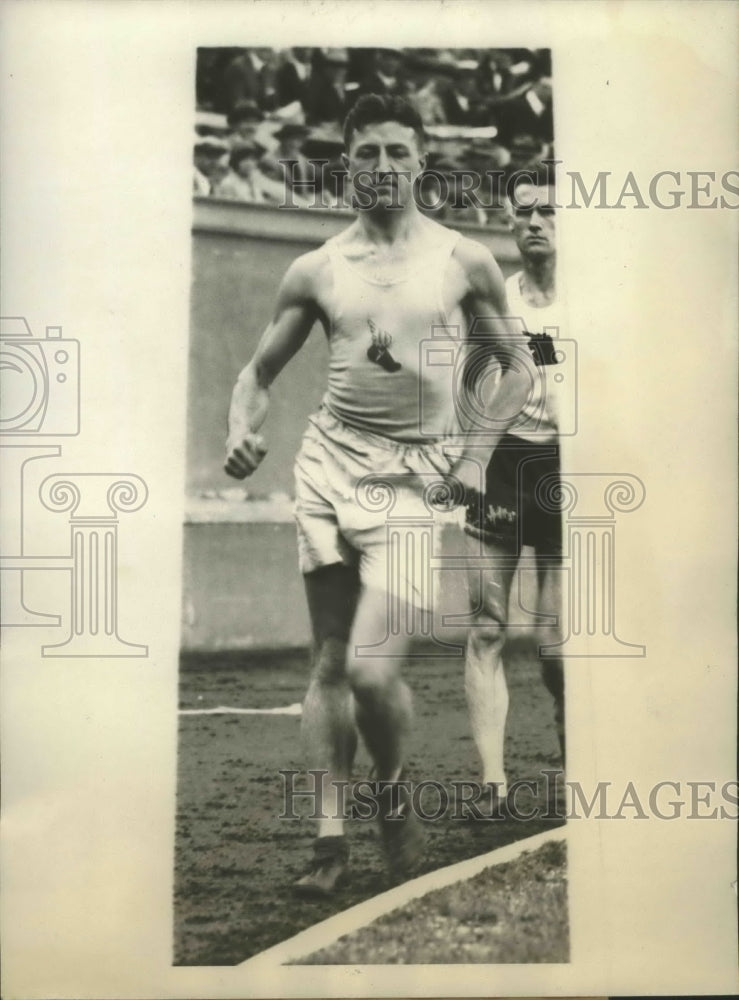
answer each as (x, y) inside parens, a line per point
(443, 197)
(423, 73)
(528, 154)
(489, 160)
(494, 78)
(251, 76)
(528, 109)
(387, 76)
(460, 98)
(334, 190)
(427, 101)
(210, 89)
(324, 148)
(210, 156)
(200, 183)
(208, 74)
(244, 120)
(246, 182)
(525, 104)
(293, 77)
(332, 94)
(288, 164)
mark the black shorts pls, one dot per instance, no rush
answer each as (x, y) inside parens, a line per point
(521, 503)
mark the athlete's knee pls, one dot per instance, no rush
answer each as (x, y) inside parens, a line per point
(369, 677)
(487, 636)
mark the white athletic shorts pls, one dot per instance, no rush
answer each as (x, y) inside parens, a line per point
(366, 500)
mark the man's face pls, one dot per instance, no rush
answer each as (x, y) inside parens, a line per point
(466, 84)
(246, 166)
(202, 162)
(291, 145)
(219, 168)
(386, 160)
(532, 220)
(206, 159)
(524, 149)
(388, 63)
(336, 72)
(247, 129)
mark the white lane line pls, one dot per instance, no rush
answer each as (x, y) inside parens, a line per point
(328, 931)
(296, 709)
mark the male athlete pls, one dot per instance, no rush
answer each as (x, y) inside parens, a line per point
(378, 289)
(511, 513)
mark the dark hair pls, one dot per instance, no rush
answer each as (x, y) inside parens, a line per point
(539, 175)
(372, 109)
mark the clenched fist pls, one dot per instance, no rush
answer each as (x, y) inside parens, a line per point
(243, 454)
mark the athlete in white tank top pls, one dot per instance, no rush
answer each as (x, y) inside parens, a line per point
(379, 289)
(531, 294)
(377, 367)
(539, 415)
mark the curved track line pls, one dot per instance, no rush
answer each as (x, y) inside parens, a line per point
(328, 931)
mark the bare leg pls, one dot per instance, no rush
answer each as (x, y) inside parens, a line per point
(550, 603)
(384, 715)
(383, 705)
(328, 728)
(485, 681)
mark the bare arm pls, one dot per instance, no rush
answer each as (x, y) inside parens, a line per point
(492, 328)
(295, 313)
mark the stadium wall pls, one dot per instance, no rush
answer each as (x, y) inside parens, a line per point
(241, 586)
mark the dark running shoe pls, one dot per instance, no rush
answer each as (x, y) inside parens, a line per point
(327, 870)
(402, 834)
(487, 809)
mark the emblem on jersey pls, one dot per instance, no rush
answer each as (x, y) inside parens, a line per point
(543, 349)
(497, 514)
(379, 349)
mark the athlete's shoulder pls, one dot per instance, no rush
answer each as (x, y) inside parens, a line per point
(484, 277)
(433, 231)
(472, 254)
(304, 275)
(343, 238)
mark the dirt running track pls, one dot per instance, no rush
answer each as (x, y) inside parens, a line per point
(235, 860)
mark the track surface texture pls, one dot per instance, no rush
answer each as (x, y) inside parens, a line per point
(235, 860)
(513, 912)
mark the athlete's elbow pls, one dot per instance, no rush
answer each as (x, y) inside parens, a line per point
(265, 373)
(255, 375)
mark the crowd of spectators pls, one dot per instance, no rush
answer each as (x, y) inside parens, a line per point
(268, 124)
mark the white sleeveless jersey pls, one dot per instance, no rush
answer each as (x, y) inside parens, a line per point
(539, 416)
(411, 399)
